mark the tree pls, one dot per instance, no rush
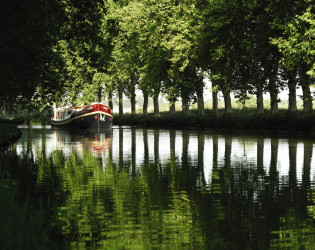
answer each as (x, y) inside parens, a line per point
(297, 48)
(86, 49)
(222, 32)
(183, 46)
(299, 45)
(29, 32)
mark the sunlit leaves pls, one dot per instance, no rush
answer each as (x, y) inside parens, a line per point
(298, 46)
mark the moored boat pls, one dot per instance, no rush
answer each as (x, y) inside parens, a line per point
(96, 115)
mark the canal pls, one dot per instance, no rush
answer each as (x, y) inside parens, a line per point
(155, 188)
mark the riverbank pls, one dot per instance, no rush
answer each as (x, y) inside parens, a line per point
(297, 123)
(282, 122)
(8, 134)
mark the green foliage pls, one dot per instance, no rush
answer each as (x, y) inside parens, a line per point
(297, 46)
(71, 51)
(29, 32)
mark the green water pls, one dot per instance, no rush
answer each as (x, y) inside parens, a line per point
(133, 188)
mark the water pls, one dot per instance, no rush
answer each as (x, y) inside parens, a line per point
(173, 189)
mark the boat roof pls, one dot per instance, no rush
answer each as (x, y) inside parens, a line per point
(77, 107)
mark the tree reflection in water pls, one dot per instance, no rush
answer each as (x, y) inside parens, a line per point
(149, 188)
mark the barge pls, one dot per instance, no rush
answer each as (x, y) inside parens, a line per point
(92, 116)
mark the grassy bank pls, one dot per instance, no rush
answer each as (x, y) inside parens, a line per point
(8, 134)
(297, 122)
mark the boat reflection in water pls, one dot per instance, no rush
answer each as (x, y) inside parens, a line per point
(95, 141)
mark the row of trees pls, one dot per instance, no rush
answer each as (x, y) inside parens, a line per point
(78, 51)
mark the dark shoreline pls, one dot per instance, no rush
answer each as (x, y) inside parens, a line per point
(282, 123)
(9, 133)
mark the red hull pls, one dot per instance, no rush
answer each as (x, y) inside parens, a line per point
(95, 115)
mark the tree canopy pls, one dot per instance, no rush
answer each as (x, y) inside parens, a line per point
(68, 51)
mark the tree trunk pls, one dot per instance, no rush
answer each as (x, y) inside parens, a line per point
(215, 102)
(133, 101)
(227, 102)
(110, 100)
(260, 99)
(200, 101)
(292, 91)
(120, 103)
(307, 98)
(273, 94)
(185, 105)
(156, 103)
(172, 107)
(145, 102)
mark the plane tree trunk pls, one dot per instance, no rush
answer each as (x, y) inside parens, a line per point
(120, 103)
(156, 103)
(215, 102)
(292, 91)
(145, 102)
(227, 102)
(260, 99)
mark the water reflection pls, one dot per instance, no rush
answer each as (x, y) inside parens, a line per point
(93, 141)
(145, 188)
